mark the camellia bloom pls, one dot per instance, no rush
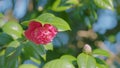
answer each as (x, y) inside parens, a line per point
(40, 34)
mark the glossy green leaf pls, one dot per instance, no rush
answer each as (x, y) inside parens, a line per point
(5, 39)
(38, 48)
(25, 23)
(101, 52)
(58, 63)
(27, 66)
(48, 18)
(29, 52)
(56, 6)
(69, 58)
(62, 8)
(14, 44)
(11, 48)
(75, 2)
(9, 51)
(12, 59)
(105, 4)
(86, 61)
(61, 24)
(13, 28)
(16, 53)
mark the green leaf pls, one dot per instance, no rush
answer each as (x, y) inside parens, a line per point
(68, 58)
(48, 18)
(27, 66)
(2, 59)
(105, 4)
(49, 46)
(12, 64)
(58, 63)
(38, 48)
(61, 8)
(29, 51)
(5, 39)
(101, 63)
(35, 60)
(101, 66)
(25, 23)
(86, 61)
(12, 59)
(61, 24)
(9, 51)
(75, 2)
(11, 48)
(101, 52)
(56, 6)
(16, 53)
(13, 29)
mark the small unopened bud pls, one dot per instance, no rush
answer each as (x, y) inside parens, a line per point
(40, 8)
(87, 49)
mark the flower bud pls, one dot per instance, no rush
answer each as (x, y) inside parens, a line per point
(87, 49)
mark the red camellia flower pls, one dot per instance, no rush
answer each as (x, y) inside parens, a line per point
(40, 34)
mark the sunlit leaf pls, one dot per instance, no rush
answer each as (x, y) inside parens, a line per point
(13, 29)
(48, 18)
(58, 63)
(61, 24)
(105, 4)
(86, 61)
(35, 60)
(101, 52)
(76, 2)
(69, 58)
(25, 23)
(49, 46)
